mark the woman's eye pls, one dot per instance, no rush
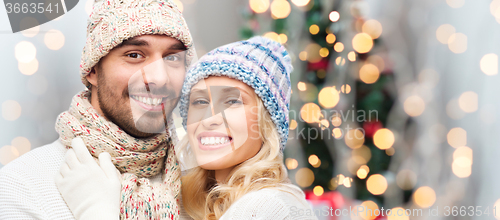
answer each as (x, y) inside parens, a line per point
(134, 55)
(234, 101)
(200, 102)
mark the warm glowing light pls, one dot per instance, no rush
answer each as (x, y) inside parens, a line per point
(259, 6)
(377, 61)
(283, 38)
(351, 56)
(347, 182)
(457, 137)
(468, 102)
(324, 124)
(310, 113)
(345, 88)
(334, 16)
(369, 73)
(424, 197)
(29, 22)
(363, 172)
(293, 124)
(28, 68)
(313, 53)
(383, 138)
(22, 145)
(369, 205)
(339, 47)
(314, 161)
(301, 86)
(463, 151)
(318, 190)
(330, 38)
(179, 4)
(280, 9)
(489, 64)
(362, 43)
(300, 3)
(340, 61)
(314, 29)
(444, 32)
(495, 8)
(8, 154)
(303, 55)
(461, 167)
(361, 155)
(406, 179)
(336, 121)
(11, 110)
(24, 51)
(323, 52)
(393, 215)
(291, 163)
(328, 97)
(354, 138)
(372, 28)
(376, 184)
(414, 106)
(54, 39)
(273, 36)
(304, 177)
(455, 3)
(337, 133)
(457, 43)
(391, 151)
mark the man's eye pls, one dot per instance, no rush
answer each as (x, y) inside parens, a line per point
(134, 55)
(174, 57)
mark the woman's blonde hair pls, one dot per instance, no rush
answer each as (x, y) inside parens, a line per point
(204, 198)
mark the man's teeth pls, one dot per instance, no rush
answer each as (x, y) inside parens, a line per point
(214, 140)
(147, 100)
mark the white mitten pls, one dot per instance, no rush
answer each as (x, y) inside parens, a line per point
(91, 191)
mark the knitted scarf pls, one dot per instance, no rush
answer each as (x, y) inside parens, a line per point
(136, 159)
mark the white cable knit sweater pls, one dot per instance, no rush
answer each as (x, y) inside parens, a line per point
(28, 190)
(269, 203)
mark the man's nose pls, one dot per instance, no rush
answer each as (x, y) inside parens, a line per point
(156, 73)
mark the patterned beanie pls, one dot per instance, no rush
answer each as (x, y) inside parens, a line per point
(259, 62)
(113, 21)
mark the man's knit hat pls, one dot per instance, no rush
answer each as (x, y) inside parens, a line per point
(261, 63)
(113, 21)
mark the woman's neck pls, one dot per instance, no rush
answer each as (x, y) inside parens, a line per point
(221, 175)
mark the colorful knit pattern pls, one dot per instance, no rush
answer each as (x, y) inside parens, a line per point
(136, 159)
(263, 64)
(113, 21)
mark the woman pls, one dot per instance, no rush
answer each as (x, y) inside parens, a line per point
(235, 106)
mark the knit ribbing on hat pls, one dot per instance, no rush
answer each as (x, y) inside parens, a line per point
(113, 21)
(261, 63)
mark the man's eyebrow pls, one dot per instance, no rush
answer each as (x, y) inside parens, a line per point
(133, 42)
(178, 46)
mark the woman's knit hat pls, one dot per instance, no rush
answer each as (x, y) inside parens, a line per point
(113, 21)
(261, 63)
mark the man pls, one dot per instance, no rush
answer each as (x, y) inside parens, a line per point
(133, 65)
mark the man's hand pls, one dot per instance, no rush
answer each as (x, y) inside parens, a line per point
(92, 192)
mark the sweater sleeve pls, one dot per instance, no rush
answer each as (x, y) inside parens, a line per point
(16, 200)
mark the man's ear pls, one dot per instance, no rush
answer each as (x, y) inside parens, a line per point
(92, 76)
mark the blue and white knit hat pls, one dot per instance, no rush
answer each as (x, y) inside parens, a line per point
(261, 63)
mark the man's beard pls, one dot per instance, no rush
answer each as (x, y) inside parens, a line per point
(117, 109)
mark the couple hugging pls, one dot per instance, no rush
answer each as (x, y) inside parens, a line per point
(118, 155)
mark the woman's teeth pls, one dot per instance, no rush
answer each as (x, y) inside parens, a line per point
(147, 100)
(214, 140)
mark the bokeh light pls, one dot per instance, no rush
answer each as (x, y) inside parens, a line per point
(323, 52)
(362, 43)
(25, 51)
(354, 138)
(291, 163)
(293, 124)
(11, 110)
(273, 36)
(337, 133)
(29, 22)
(363, 172)
(300, 3)
(489, 64)
(351, 56)
(280, 9)
(328, 97)
(414, 106)
(457, 137)
(318, 190)
(369, 205)
(330, 38)
(313, 53)
(361, 155)
(310, 113)
(383, 138)
(372, 28)
(314, 29)
(334, 16)
(444, 32)
(346, 88)
(376, 184)
(314, 161)
(259, 6)
(455, 3)
(28, 68)
(339, 47)
(424, 197)
(468, 101)
(457, 43)
(304, 177)
(398, 213)
(369, 73)
(54, 39)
